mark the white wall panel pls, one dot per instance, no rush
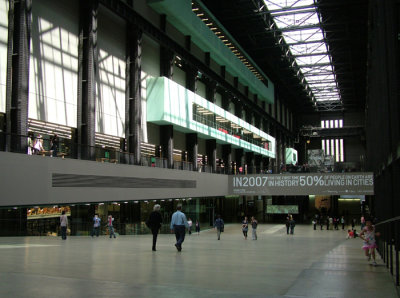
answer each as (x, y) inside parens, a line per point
(54, 62)
(110, 104)
(3, 52)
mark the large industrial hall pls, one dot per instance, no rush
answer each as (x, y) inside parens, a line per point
(199, 148)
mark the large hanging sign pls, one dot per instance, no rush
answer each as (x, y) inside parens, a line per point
(302, 184)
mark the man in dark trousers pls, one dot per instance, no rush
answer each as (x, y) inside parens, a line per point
(219, 225)
(154, 223)
(178, 225)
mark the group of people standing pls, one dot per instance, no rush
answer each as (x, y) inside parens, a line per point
(95, 229)
(35, 144)
(330, 222)
(245, 227)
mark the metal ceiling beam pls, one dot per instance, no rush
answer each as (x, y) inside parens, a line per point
(280, 14)
(296, 28)
(305, 42)
(313, 73)
(290, 8)
(311, 54)
(314, 65)
(322, 80)
(326, 95)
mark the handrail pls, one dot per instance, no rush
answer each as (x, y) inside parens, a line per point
(389, 245)
(388, 220)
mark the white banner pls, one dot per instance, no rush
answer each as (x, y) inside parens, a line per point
(302, 184)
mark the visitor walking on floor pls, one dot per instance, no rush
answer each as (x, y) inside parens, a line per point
(292, 224)
(245, 227)
(96, 226)
(362, 220)
(287, 224)
(219, 226)
(197, 227)
(110, 226)
(63, 225)
(254, 224)
(342, 221)
(154, 224)
(178, 225)
(368, 235)
(190, 223)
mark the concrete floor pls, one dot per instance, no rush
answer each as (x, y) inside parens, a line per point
(307, 264)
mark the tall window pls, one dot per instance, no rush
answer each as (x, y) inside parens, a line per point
(333, 147)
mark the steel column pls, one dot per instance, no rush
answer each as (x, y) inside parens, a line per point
(211, 148)
(133, 101)
(192, 148)
(167, 143)
(17, 89)
(227, 157)
(87, 77)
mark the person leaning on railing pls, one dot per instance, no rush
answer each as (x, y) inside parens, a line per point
(30, 143)
(38, 144)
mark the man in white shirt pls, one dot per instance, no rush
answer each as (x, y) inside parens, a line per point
(178, 225)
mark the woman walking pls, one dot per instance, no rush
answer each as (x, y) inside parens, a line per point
(154, 223)
(245, 227)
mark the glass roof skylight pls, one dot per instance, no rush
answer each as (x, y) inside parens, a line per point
(302, 32)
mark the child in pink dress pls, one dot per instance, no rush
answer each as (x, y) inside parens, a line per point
(368, 235)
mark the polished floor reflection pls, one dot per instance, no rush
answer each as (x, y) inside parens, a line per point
(307, 264)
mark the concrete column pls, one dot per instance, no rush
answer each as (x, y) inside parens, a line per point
(17, 85)
(225, 101)
(211, 89)
(192, 148)
(227, 158)
(238, 110)
(166, 62)
(133, 98)
(167, 143)
(259, 166)
(240, 162)
(211, 149)
(250, 161)
(191, 78)
(87, 77)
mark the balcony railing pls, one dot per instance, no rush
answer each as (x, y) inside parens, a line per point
(70, 150)
(389, 245)
(226, 128)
